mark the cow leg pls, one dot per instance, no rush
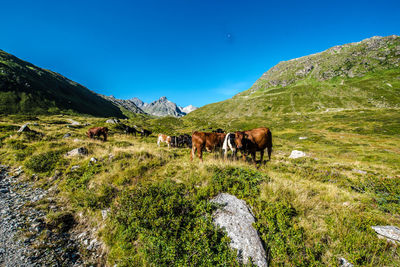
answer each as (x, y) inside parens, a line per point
(262, 156)
(192, 153)
(234, 154)
(200, 154)
(253, 156)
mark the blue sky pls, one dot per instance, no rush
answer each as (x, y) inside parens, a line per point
(193, 52)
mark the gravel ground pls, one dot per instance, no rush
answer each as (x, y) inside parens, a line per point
(24, 238)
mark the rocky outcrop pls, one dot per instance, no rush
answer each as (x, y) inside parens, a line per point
(163, 107)
(236, 218)
(129, 105)
(348, 60)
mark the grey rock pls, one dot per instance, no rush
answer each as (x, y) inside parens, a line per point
(104, 213)
(73, 122)
(236, 217)
(297, 154)
(24, 128)
(113, 121)
(303, 137)
(67, 135)
(344, 263)
(81, 151)
(391, 233)
(75, 167)
(93, 160)
(359, 171)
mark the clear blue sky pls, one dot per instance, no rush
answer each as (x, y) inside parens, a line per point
(192, 51)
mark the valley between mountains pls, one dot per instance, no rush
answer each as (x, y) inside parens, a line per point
(128, 202)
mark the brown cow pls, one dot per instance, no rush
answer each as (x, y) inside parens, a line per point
(254, 140)
(98, 131)
(209, 141)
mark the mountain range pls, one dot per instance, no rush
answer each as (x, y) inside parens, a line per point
(163, 107)
(365, 74)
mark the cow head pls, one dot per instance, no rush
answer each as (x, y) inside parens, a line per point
(240, 140)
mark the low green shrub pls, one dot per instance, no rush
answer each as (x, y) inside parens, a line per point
(162, 224)
(44, 162)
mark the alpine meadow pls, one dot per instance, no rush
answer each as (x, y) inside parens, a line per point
(124, 200)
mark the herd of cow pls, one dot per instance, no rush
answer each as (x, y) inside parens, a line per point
(247, 142)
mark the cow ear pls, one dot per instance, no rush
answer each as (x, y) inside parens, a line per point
(246, 135)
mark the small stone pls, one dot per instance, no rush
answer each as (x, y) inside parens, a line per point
(359, 171)
(112, 121)
(297, 154)
(75, 167)
(303, 137)
(67, 135)
(94, 160)
(104, 213)
(73, 122)
(344, 263)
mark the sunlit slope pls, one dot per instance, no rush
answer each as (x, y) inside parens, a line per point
(28, 89)
(357, 75)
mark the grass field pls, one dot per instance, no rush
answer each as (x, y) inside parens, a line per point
(309, 211)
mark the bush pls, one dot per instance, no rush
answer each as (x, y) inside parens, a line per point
(43, 163)
(163, 225)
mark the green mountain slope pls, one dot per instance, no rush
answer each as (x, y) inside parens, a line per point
(357, 75)
(27, 89)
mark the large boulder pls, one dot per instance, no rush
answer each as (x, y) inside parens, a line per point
(236, 217)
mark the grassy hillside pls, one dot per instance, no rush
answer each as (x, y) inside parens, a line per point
(27, 89)
(352, 76)
(309, 211)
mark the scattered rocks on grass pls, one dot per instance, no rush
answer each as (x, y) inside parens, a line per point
(297, 154)
(236, 217)
(391, 233)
